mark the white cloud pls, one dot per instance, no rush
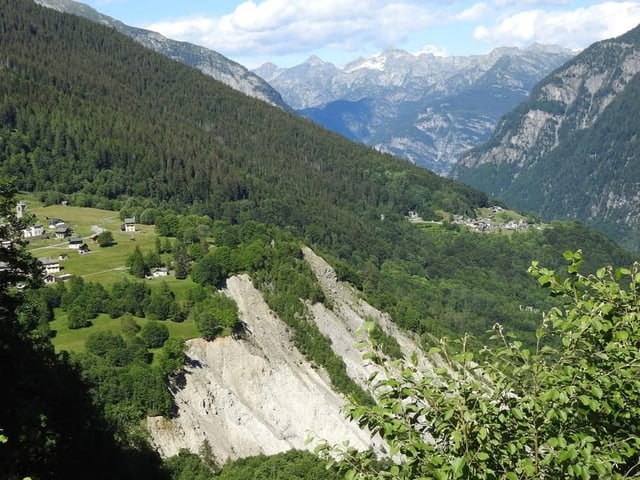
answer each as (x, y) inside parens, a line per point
(278, 27)
(474, 12)
(294, 29)
(435, 50)
(575, 29)
(185, 28)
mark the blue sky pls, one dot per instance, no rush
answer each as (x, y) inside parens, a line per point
(286, 32)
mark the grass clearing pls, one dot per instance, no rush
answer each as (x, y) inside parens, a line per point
(72, 340)
(104, 265)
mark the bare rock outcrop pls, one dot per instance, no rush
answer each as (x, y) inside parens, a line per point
(258, 394)
(253, 395)
(344, 323)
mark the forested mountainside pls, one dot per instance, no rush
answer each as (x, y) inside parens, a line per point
(571, 150)
(424, 108)
(89, 112)
(209, 62)
(89, 116)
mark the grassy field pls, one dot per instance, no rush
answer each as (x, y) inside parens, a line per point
(73, 340)
(104, 265)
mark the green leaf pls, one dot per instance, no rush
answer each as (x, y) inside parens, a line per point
(457, 465)
(529, 467)
(621, 335)
(544, 280)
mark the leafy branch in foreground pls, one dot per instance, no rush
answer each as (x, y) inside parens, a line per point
(568, 408)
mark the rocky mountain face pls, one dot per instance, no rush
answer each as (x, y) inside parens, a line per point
(258, 394)
(424, 108)
(571, 150)
(207, 61)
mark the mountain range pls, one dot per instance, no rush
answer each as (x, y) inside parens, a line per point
(571, 150)
(424, 108)
(208, 61)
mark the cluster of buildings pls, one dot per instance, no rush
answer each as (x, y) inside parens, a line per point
(490, 224)
(482, 225)
(52, 268)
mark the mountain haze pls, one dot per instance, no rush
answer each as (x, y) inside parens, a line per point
(424, 108)
(209, 62)
(571, 150)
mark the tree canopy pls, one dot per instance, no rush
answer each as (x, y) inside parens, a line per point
(567, 408)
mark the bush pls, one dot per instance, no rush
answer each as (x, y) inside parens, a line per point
(78, 318)
(129, 325)
(568, 408)
(217, 315)
(101, 343)
(154, 334)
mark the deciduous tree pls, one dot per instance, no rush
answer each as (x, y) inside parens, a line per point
(154, 334)
(105, 239)
(568, 408)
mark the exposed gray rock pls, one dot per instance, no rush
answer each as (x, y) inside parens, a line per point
(252, 396)
(424, 108)
(258, 394)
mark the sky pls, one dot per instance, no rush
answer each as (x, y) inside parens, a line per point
(287, 32)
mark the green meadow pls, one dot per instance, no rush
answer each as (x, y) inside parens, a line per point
(104, 265)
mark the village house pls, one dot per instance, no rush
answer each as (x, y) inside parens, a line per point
(51, 279)
(76, 242)
(160, 272)
(54, 222)
(35, 230)
(129, 225)
(21, 209)
(50, 266)
(62, 230)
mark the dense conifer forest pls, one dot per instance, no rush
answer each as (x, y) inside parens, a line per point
(89, 116)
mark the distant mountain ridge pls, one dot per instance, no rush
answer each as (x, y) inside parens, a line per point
(207, 61)
(424, 108)
(571, 150)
